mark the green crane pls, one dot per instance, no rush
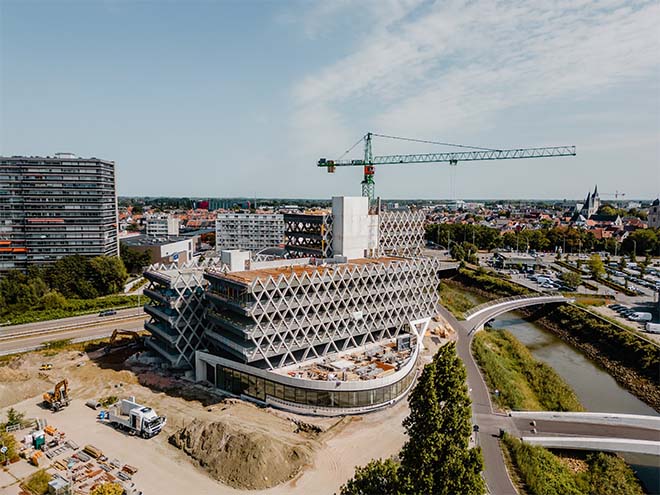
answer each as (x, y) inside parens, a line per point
(476, 153)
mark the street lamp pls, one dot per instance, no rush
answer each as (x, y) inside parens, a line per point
(634, 248)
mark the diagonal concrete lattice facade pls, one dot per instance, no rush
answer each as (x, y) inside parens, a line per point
(277, 317)
(177, 311)
(401, 233)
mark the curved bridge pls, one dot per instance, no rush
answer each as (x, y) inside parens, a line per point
(479, 315)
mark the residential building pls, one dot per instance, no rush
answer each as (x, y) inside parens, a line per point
(51, 207)
(248, 231)
(162, 226)
(654, 215)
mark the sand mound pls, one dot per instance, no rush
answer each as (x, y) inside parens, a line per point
(8, 374)
(242, 458)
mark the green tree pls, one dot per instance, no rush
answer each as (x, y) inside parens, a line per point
(135, 260)
(14, 417)
(437, 458)
(9, 441)
(379, 477)
(53, 300)
(107, 274)
(622, 262)
(596, 266)
(572, 279)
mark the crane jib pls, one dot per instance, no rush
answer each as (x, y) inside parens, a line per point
(464, 156)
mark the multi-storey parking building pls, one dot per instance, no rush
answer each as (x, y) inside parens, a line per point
(52, 207)
(248, 231)
(319, 335)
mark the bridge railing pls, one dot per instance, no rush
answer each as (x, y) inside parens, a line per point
(467, 314)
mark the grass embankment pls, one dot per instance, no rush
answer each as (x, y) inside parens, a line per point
(456, 300)
(523, 382)
(490, 285)
(72, 307)
(542, 473)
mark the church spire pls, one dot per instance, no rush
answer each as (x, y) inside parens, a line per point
(596, 191)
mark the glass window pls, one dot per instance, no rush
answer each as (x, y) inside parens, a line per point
(323, 398)
(279, 391)
(300, 395)
(270, 388)
(220, 377)
(290, 393)
(379, 393)
(363, 398)
(260, 392)
(252, 386)
(210, 373)
(312, 397)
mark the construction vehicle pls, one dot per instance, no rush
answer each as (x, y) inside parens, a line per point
(46, 367)
(477, 153)
(136, 337)
(59, 398)
(134, 418)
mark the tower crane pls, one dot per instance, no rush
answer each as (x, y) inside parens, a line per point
(475, 153)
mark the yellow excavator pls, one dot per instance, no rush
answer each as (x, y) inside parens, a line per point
(136, 337)
(59, 398)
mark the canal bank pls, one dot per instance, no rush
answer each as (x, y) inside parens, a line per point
(594, 387)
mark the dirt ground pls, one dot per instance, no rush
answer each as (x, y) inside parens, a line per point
(328, 458)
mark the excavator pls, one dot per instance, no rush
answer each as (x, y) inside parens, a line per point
(115, 336)
(59, 398)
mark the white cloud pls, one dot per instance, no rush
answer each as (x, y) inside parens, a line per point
(426, 69)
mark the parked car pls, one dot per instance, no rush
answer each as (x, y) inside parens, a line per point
(108, 312)
(640, 316)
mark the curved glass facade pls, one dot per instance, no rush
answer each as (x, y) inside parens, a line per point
(241, 383)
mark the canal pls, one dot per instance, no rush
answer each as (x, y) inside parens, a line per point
(595, 388)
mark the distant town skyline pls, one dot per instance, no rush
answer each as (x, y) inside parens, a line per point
(226, 99)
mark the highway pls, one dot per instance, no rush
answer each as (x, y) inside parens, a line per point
(25, 337)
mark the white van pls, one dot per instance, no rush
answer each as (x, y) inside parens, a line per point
(641, 317)
(653, 327)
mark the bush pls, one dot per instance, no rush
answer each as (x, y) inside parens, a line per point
(38, 482)
(492, 284)
(541, 472)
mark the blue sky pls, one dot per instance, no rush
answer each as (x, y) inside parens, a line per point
(211, 98)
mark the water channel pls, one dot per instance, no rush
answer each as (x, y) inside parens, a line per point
(595, 388)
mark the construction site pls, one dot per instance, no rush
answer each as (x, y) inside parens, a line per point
(266, 450)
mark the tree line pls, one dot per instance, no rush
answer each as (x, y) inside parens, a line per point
(436, 458)
(71, 277)
(569, 239)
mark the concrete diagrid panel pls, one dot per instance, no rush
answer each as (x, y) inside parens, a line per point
(401, 233)
(309, 314)
(177, 310)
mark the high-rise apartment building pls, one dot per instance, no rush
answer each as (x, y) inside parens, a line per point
(51, 207)
(248, 231)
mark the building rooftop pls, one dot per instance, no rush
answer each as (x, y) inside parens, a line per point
(374, 361)
(143, 240)
(249, 276)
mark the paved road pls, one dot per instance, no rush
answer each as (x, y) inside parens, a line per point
(495, 473)
(103, 329)
(66, 322)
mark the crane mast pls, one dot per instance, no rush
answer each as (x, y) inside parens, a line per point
(476, 154)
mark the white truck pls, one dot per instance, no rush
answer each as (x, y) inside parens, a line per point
(134, 418)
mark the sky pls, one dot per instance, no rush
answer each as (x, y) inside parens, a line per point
(241, 98)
